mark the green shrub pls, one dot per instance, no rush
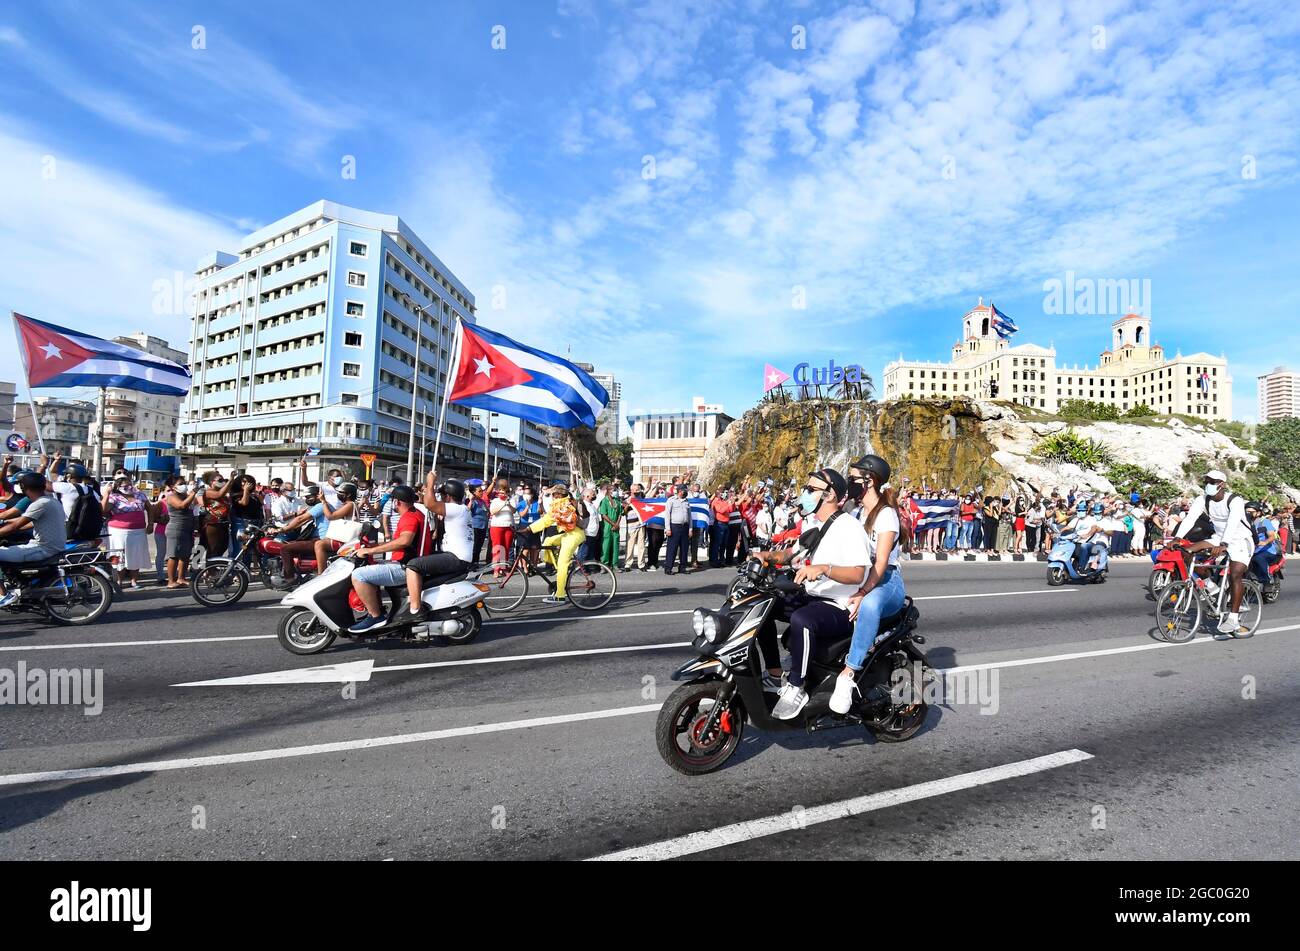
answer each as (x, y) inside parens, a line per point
(1278, 445)
(1069, 446)
(1086, 409)
(1128, 478)
(1139, 411)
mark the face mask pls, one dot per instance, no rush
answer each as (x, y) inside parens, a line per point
(857, 490)
(1212, 490)
(337, 480)
(808, 502)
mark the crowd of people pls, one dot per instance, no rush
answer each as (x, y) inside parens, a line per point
(696, 529)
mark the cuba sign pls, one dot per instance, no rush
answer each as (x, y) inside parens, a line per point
(805, 374)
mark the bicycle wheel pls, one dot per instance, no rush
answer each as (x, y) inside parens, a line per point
(507, 586)
(1178, 612)
(592, 585)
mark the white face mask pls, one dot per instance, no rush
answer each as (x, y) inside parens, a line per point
(337, 480)
(1212, 489)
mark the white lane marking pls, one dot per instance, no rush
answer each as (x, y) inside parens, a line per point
(357, 671)
(771, 825)
(254, 756)
(174, 640)
(606, 617)
(1103, 652)
(338, 673)
(994, 594)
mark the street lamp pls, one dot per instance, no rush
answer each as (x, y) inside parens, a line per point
(415, 384)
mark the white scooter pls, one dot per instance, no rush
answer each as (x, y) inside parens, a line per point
(326, 606)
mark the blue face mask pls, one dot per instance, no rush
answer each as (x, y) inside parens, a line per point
(808, 502)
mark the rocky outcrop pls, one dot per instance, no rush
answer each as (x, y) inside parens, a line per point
(957, 442)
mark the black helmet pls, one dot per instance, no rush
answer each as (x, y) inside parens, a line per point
(878, 468)
(1257, 506)
(452, 489)
(403, 493)
(311, 492)
(348, 491)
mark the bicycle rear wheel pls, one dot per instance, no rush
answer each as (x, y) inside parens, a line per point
(1178, 612)
(592, 585)
(507, 586)
(1252, 599)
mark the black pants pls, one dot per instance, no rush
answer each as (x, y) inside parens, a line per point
(654, 539)
(480, 535)
(695, 544)
(679, 543)
(1031, 538)
(810, 621)
(442, 564)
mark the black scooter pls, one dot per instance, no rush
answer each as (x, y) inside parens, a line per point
(701, 724)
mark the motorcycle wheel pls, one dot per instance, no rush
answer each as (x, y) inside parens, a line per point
(210, 591)
(683, 716)
(88, 597)
(1272, 591)
(734, 587)
(1160, 579)
(473, 626)
(904, 720)
(301, 632)
(1056, 576)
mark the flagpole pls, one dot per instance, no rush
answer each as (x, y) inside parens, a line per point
(27, 378)
(99, 434)
(452, 370)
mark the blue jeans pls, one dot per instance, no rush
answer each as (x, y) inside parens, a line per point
(950, 535)
(884, 599)
(237, 525)
(1260, 563)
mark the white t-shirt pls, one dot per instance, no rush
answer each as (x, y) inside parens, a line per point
(845, 545)
(67, 493)
(458, 532)
(886, 521)
(502, 513)
(284, 508)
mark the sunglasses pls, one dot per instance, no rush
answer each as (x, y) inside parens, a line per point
(815, 488)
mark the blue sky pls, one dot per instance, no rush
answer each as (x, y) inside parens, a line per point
(909, 158)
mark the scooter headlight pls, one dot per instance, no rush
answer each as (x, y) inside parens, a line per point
(711, 628)
(697, 621)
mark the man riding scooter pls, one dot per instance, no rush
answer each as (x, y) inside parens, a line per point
(1267, 550)
(837, 552)
(411, 540)
(1093, 539)
(447, 502)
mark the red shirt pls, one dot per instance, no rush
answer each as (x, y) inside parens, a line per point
(421, 540)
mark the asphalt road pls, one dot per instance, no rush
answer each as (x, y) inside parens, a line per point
(515, 747)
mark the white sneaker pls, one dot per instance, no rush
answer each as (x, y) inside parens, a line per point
(1229, 624)
(842, 698)
(790, 702)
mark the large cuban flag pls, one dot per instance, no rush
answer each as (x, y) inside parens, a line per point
(652, 511)
(934, 513)
(504, 376)
(56, 357)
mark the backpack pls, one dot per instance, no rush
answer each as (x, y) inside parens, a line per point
(86, 522)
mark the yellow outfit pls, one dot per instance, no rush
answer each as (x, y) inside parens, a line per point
(564, 517)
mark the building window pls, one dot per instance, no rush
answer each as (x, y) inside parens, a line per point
(356, 309)
(356, 279)
(348, 399)
(351, 338)
(352, 370)
(358, 249)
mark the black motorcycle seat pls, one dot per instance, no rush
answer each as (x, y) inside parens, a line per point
(35, 567)
(830, 652)
(434, 581)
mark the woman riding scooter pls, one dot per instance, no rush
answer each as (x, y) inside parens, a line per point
(882, 592)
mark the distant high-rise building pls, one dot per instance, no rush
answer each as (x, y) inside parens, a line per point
(607, 423)
(64, 425)
(1279, 394)
(670, 445)
(132, 415)
(8, 393)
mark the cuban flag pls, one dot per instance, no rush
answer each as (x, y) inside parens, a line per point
(652, 511)
(1205, 381)
(502, 375)
(1003, 325)
(935, 513)
(56, 357)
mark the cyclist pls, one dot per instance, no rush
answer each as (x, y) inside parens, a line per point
(1233, 533)
(1267, 550)
(564, 516)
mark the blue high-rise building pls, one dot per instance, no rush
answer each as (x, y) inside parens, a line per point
(307, 338)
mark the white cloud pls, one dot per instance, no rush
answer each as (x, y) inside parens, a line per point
(85, 246)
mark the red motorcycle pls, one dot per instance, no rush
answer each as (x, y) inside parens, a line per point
(269, 548)
(1171, 565)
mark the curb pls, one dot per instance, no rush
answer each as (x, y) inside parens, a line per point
(1009, 557)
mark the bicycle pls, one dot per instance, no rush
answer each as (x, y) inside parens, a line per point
(592, 584)
(1182, 606)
